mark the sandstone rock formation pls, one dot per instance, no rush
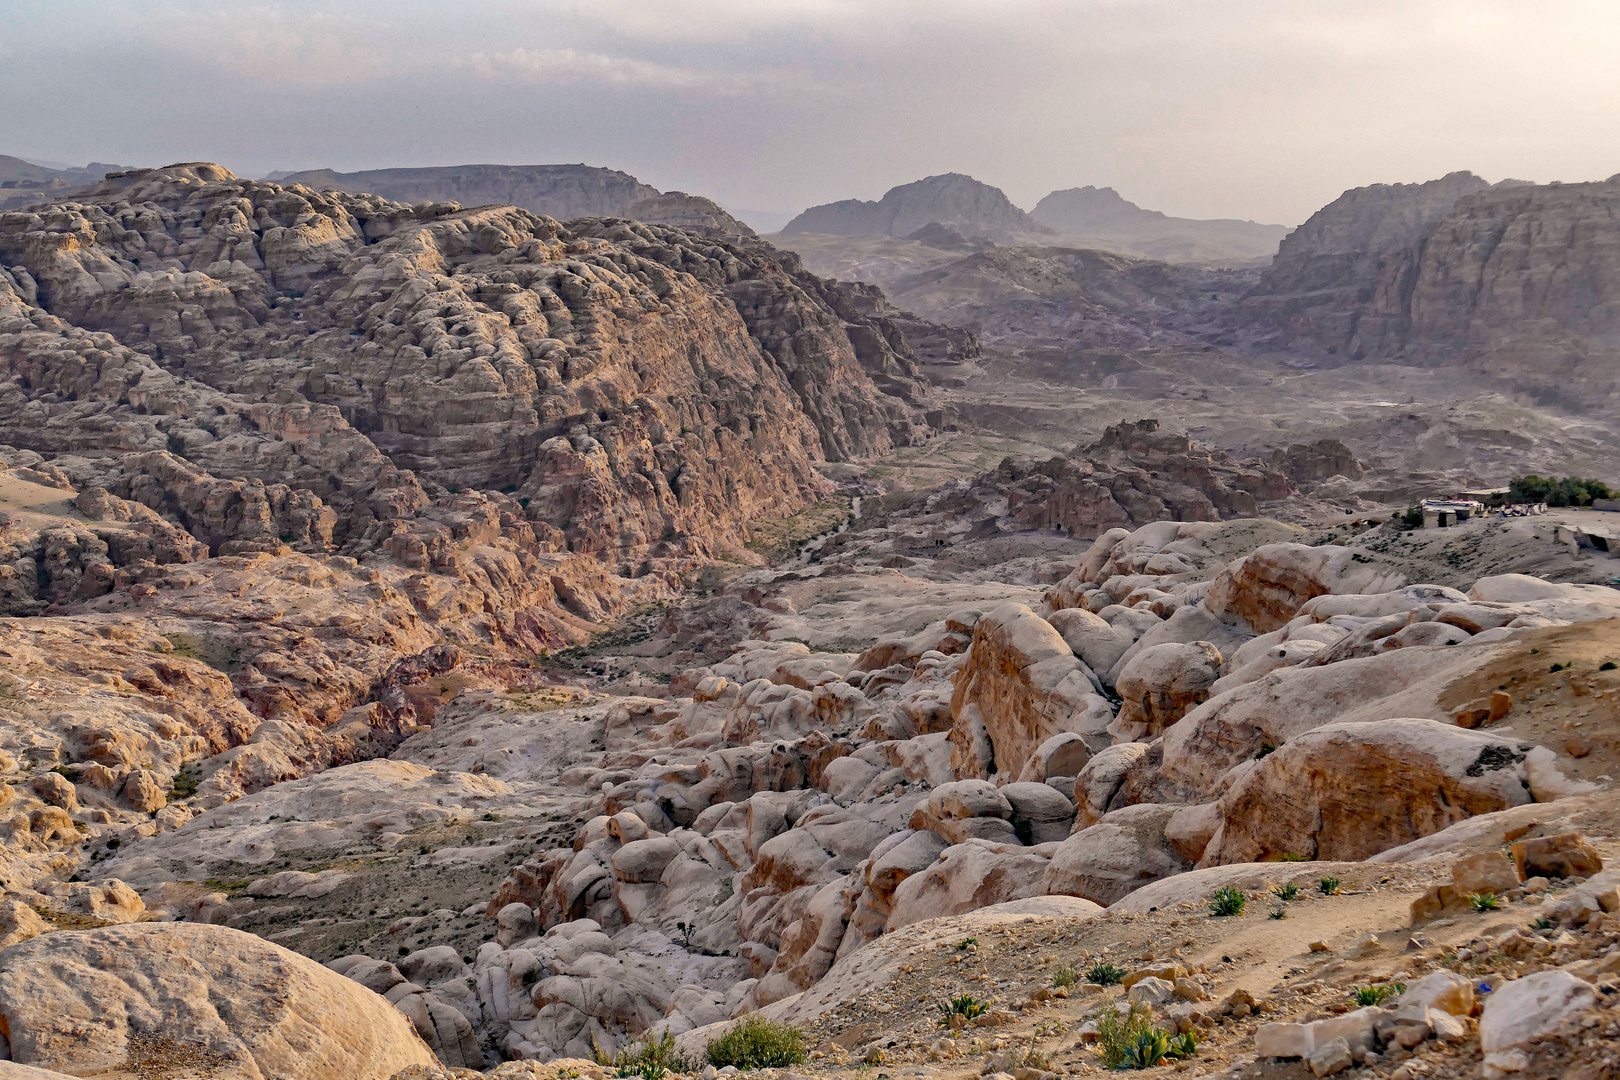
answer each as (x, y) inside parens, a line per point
(558, 191)
(1456, 272)
(83, 1000)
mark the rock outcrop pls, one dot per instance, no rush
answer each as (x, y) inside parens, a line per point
(1515, 281)
(558, 191)
(85, 1000)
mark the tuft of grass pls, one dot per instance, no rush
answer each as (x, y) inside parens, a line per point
(1329, 886)
(1106, 974)
(1608, 665)
(1130, 1040)
(1376, 995)
(1064, 976)
(1557, 668)
(1484, 901)
(963, 1005)
(1542, 923)
(1227, 901)
(651, 1059)
(1290, 891)
(758, 1043)
(1279, 913)
(1295, 857)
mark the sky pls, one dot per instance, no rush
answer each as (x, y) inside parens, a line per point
(1258, 109)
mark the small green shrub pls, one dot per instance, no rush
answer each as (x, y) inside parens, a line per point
(1542, 923)
(1294, 857)
(1556, 668)
(1608, 665)
(1279, 913)
(758, 1043)
(1064, 976)
(1329, 886)
(963, 1005)
(1376, 995)
(650, 1059)
(1117, 1033)
(1266, 750)
(1105, 974)
(968, 943)
(1484, 901)
(1289, 891)
(1227, 901)
(185, 783)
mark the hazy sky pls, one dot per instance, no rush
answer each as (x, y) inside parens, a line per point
(1260, 109)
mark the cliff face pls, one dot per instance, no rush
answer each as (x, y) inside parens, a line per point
(633, 385)
(1517, 281)
(559, 191)
(956, 201)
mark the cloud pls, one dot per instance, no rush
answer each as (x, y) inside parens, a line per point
(569, 66)
(270, 45)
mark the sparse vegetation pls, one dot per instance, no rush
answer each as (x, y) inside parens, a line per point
(1376, 995)
(1065, 976)
(967, 944)
(1279, 913)
(1228, 901)
(1542, 923)
(1130, 1040)
(1105, 974)
(1294, 857)
(1483, 902)
(1329, 886)
(758, 1043)
(963, 1005)
(185, 783)
(1287, 891)
(1608, 665)
(650, 1059)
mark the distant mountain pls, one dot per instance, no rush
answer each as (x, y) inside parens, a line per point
(23, 182)
(960, 203)
(559, 191)
(1101, 218)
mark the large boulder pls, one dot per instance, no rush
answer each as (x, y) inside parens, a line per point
(73, 1001)
(1091, 637)
(1266, 588)
(1025, 685)
(1160, 684)
(970, 875)
(1124, 851)
(1348, 791)
(1040, 813)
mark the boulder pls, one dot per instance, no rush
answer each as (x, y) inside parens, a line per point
(1101, 779)
(1523, 1009)
(1022, 684)
(1160, 684)
(143, 792)
(1267, 588)
(967, 876)
(19, 922)
(1123, 851)
(1095, 642)
(73, 1000)
(1040, 814)
(1347, 791)
(1064, 754)
(1563, 856)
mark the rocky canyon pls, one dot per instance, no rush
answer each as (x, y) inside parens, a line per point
(511, 621)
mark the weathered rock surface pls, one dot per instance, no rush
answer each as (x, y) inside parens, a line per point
(75, 1000)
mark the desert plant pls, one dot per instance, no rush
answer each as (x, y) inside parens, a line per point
(1227, 901)
(1542, 923)
(968, 943)
(1105, 974)
(1484, 901)
(1118, 1032)
(1064, 975)
(1376, 995)
(1288, 891)
(185, 782)
(963, 1005)
(685, 929)
(1293, 856)
(650, 1059)
(1329, 886)
(1279, 913)
(757, 1043)
(1608, 665)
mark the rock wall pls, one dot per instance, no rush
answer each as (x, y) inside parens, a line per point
(1516, 281)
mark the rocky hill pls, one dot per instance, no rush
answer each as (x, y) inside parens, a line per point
(1515, 281)
(1100, 218)
(958, 202)
(559, 191)
(22, 182)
